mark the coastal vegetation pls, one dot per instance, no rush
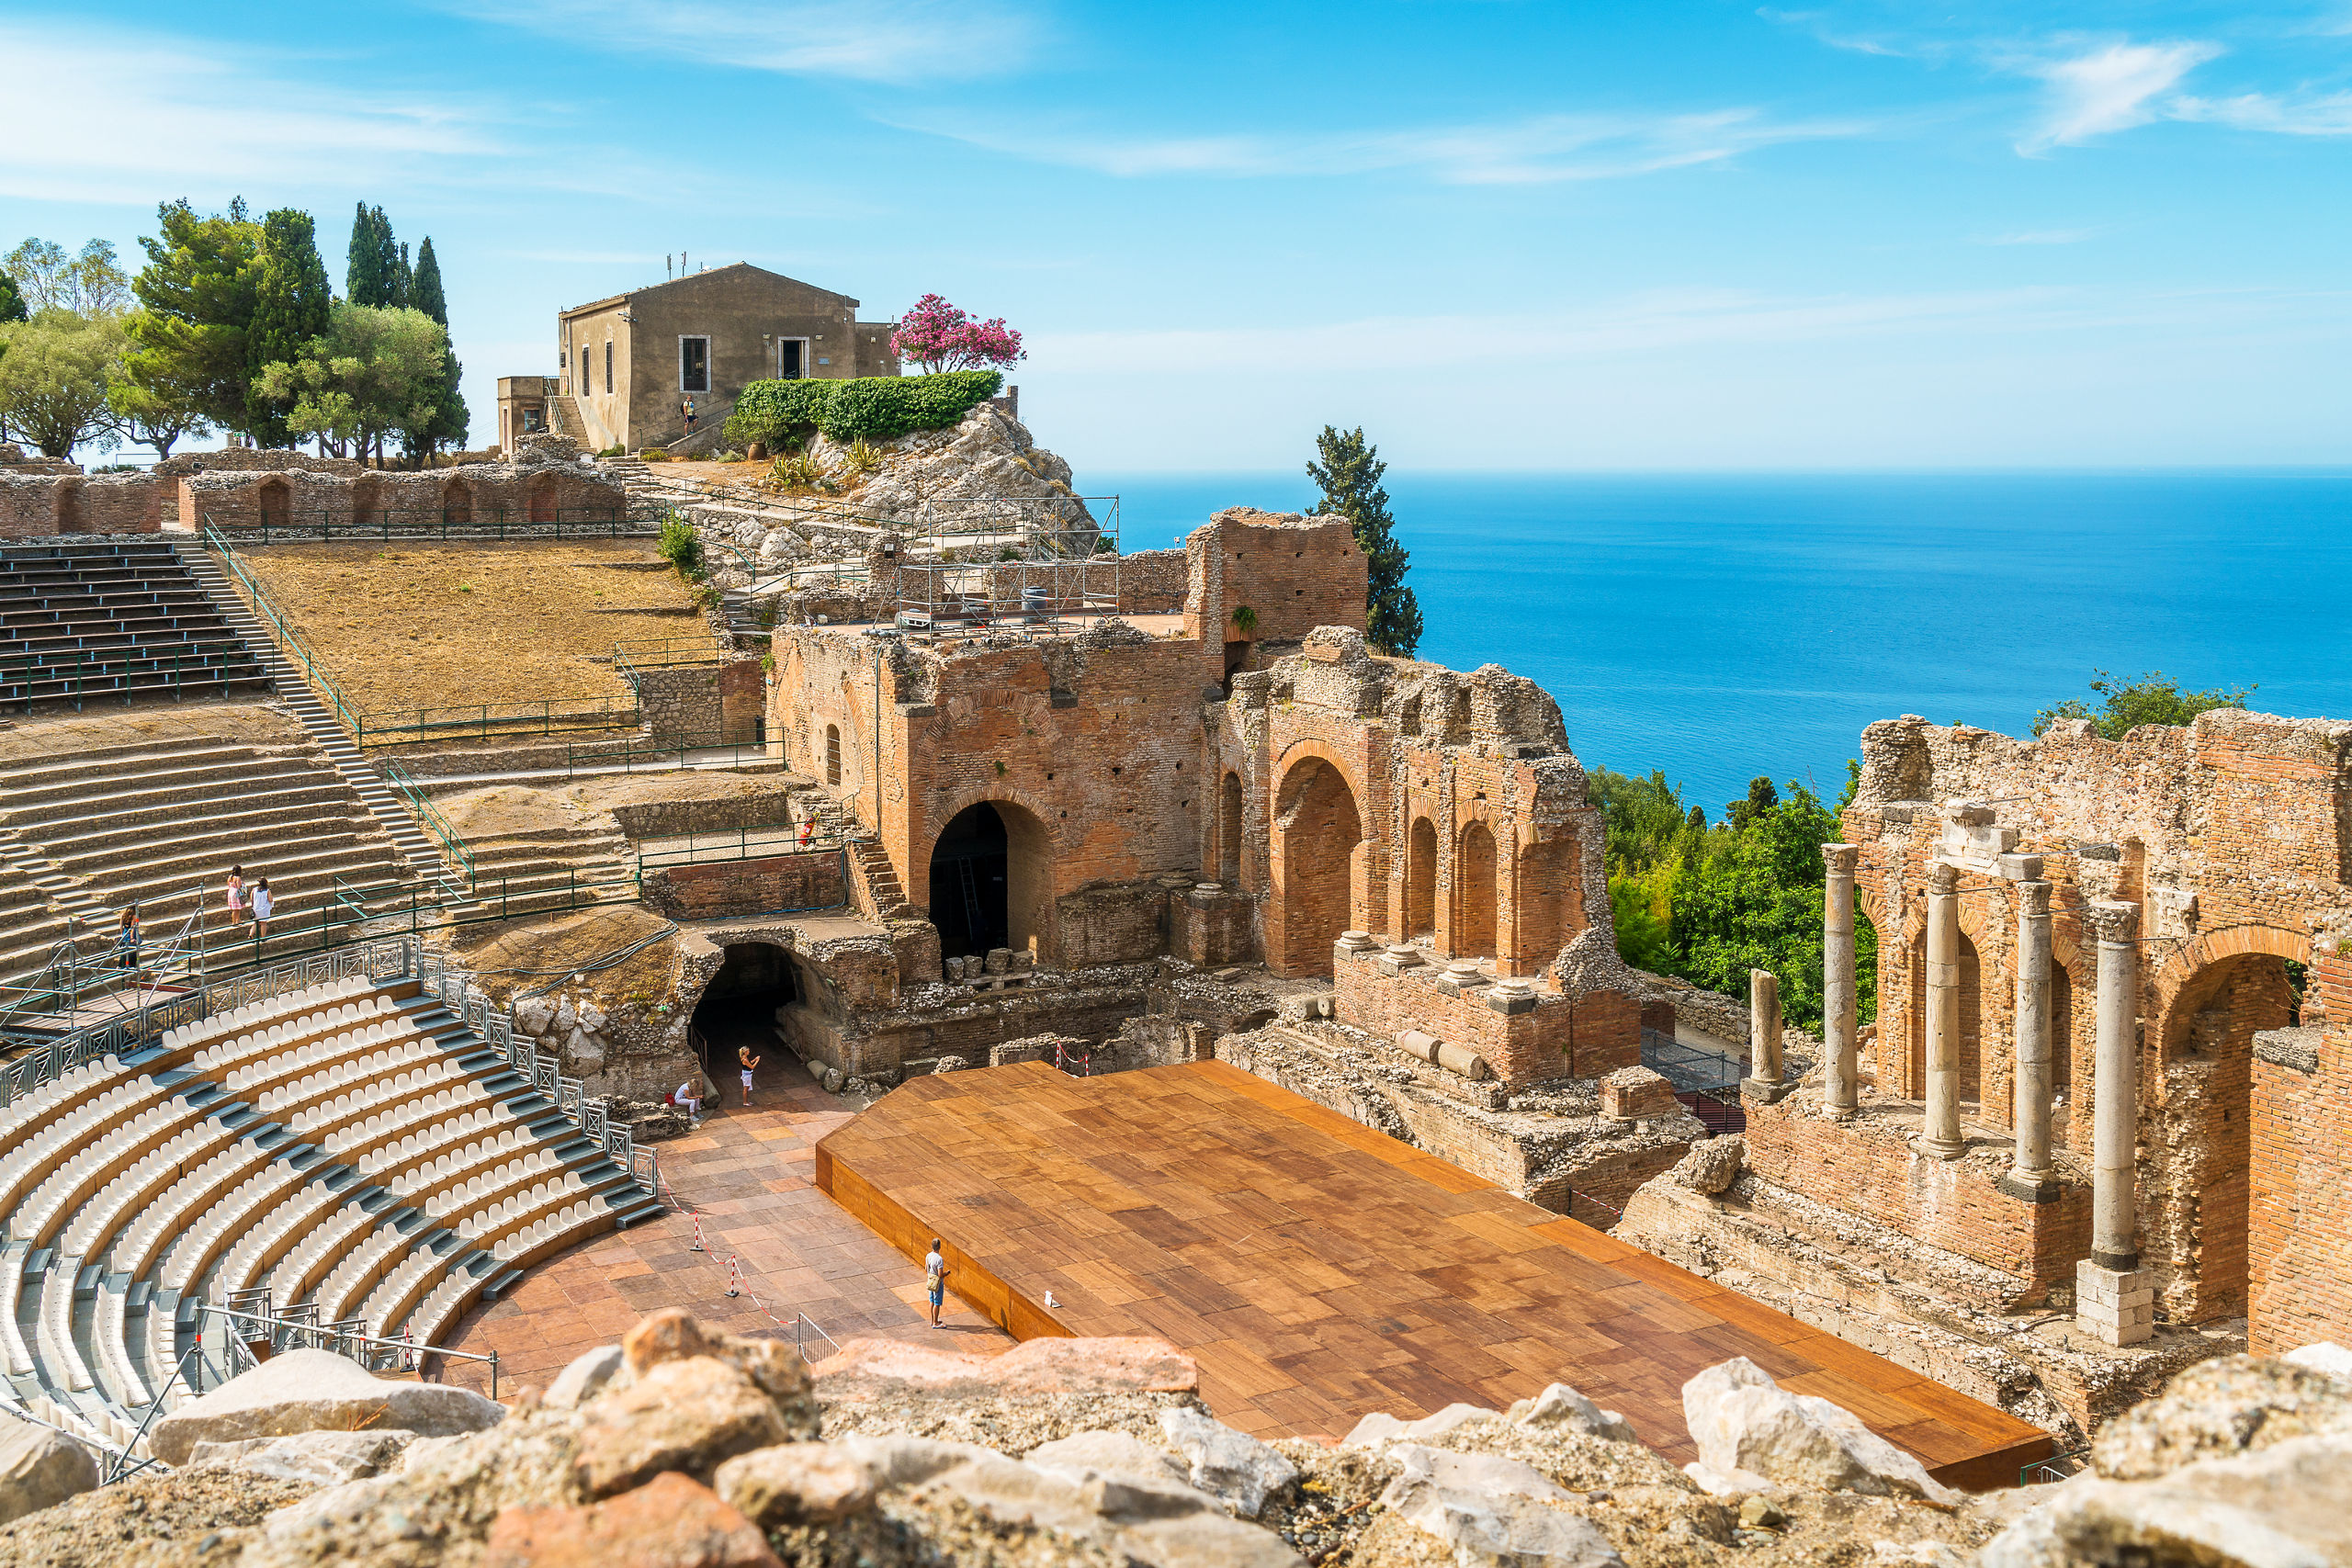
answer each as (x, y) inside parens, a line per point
(1707, 902)
(2153, 698)
(785, 414)
(1349, 475)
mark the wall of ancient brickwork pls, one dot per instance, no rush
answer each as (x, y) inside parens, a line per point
(2233, 836)
(474, 493)
(1547, 1036)
(256, 460)
(44, 505)
(1295, 573)
(1154, 582)
(736, 888)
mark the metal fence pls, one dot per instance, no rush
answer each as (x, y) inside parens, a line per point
(478, 522)
(499, 721)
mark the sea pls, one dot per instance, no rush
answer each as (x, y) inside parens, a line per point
(1723, 626)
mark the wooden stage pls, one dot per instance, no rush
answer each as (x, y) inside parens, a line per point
(1319, 1270)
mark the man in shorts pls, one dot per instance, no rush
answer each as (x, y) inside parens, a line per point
(749, 1065)
(935, 1277)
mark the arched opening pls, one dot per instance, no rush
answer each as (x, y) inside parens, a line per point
(540, 499)
(276, 501)
(1473, 892)
(833, 754)
(1547, 905)
(992, 881)
(457, 502)
(368, 499)
(1316, 831)
(1421, 879)
(2062, 1056)
(1229, 831)
(1972, 1030)
(2206, 1107)
(739, 1008)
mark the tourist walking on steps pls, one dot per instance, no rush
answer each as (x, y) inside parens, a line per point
(126, 941)
(263, 904)
(236, 896)
(935, 1278)
(690, 416)
(751, 1065)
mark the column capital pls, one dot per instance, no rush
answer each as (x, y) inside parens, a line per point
(2112, 921)
(1944, 878)
(2033, 901)
(1840, 858)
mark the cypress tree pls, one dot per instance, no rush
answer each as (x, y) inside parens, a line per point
(291, 298)
(1349, 475)
(424, 288)
(363, 274)
(450, 417)
(403, 282)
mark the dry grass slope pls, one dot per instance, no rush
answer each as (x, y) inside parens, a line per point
(431, 626)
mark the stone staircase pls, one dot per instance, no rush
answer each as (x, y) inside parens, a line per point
(532, 873)
(875, 872)
(418, 848)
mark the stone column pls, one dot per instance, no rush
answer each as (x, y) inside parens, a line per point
(1840, 1070)
(2113, 1296)
(1763, 1080)
(1943, 1136)
(2029, 1175)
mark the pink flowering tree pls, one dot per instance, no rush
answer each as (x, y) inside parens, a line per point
(938, 336)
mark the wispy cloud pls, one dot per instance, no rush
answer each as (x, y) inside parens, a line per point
(1543, 150)
(1817, 23)
(2328, 113)
(2039, 237)
(897, 41)
(2110, 88)
(204, 118)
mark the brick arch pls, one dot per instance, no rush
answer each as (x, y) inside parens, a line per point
(1311, 746)
(2230, 941)
(1317, 860)
(1033, 856)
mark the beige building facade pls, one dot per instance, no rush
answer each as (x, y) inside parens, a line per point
(631, 362)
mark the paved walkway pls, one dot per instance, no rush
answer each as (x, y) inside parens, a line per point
(750, 1175)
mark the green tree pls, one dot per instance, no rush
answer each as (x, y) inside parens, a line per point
(1643, 940)
(1349, 475)
(12, 300)
(374, 372)
(2152, 699)
(370, 259)
(152, 402)
(291, 301)
(54, 376)
(88, 282)
(451, 420)
(197, 291)
(1753, 901)
(404, 281)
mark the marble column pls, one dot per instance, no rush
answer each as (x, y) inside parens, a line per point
(1840, 1070)
(1943, 1137)
(1764, 1069)
(2029, 1175)
(2114, 1297)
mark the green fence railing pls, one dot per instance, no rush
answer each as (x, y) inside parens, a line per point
(79, 675)
(481, 522)
(282, 632)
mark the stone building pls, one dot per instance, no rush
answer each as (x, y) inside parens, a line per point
(544, 484)
(631, 361)
(2111, 1066)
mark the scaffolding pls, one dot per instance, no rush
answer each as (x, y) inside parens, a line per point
(1005, 567)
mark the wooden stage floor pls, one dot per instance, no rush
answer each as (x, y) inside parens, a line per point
(1319, 1270)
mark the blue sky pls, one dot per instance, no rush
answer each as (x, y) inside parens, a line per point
(1499, 233)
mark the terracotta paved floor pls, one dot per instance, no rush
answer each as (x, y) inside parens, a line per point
(749, 1173)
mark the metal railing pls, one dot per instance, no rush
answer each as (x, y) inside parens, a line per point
(484, 521)
(503, 721)
(430, 818)
(282, 632)
(281, 1332)
(723, 845)
(666, 652)
(2057, 1467)
(81, 674)
(802, 1328)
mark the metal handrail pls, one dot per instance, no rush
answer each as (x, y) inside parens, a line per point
(696, 851)
(397, 523)
(332, 1336)
(430, 818)
(287, 638)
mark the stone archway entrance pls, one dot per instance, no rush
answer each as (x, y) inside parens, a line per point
(1317, 832)
(992, 881)
(739, 1007)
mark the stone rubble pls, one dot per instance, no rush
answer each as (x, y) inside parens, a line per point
(683, 1444)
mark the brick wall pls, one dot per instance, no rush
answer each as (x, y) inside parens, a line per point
(1154, 582)
(1297, 573)
(775, 883)
(481, 493)
(2299, 1286)
(41, 506)
(1557, 1038)
(1869, 1168)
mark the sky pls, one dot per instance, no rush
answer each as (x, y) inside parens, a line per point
(1498, 234)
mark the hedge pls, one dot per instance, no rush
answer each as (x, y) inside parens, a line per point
(873, 407)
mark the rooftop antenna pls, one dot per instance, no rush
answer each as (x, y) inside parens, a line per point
(666, 260)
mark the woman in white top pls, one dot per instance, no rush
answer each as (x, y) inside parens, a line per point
(685, 1096)
(262, 905)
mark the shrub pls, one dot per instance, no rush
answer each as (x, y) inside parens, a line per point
(731, 455)
(874, 408)
(862, 459)
(653, 454)
(800, 471)
(614, 450)
(680, 547)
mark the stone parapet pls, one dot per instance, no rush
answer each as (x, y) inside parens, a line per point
(1525, 1034)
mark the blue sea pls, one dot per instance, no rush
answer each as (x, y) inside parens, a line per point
(1723, 626)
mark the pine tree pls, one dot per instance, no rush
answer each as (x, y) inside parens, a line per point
(1350, 477)
(291, 298)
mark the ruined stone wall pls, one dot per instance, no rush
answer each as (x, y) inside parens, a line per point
(1154, 582)
(2299, 1287)
(2231, 835)
(45, 505)
(700, 704)
(256, 460)
(1295, 573)
(769, 884)
(1542, 1037)
(481, 494)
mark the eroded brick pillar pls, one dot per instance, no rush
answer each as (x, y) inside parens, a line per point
(1943, 1136)
(1840, 1068)
(2029, 1175)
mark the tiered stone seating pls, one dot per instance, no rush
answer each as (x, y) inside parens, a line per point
(354, 1151)
(113, 621)
(159, 822)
